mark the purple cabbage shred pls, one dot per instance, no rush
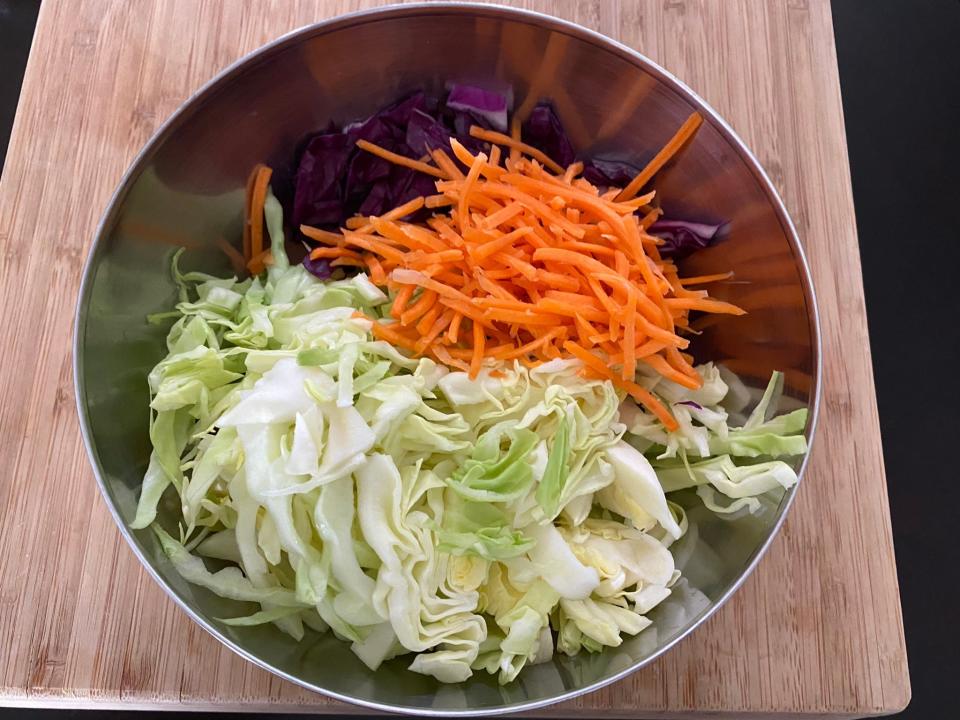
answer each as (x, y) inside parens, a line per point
(485, 105)
(682, 237)
(319, 268)
(544, 131)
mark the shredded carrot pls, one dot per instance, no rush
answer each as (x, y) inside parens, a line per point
(349, 262)
(401, 300)
(439, 325)
(424, 303)
(445, 163)
(392, 335)
(639, 393)
(663, 367)
(258, 196)
(247, 204)
(492, 247)
(704, 305)
(426, 322)
(453, 331)
(479, 340)
(332, 252)
(400, 159)
(260, 261)
(685, 132)
(377, 274)
(491, 136)
(536, 260)
(704, 279)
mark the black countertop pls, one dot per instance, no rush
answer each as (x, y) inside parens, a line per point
(900, 77)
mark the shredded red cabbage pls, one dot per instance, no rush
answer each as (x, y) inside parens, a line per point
(608, 173)
(481, 104)
(544, 131)
(682, 237)
(320, 268)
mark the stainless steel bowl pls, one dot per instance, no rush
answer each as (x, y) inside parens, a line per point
(186, 188)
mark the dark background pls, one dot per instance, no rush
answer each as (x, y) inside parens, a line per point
(900, 77)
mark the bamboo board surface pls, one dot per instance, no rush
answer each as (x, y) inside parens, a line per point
(816, 629)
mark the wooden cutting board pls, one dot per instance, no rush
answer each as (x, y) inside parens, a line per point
(816, 629)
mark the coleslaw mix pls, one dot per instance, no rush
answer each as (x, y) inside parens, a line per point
(470, 524)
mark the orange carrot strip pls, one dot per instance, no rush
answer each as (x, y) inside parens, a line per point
(491, 247)
(621, 263)
(467, 353)
(521, 317)
(572, 258)
(680, 363)
(377, 274)
(680, 138)
(439, 325)
(500, 273)
(400, 159)
(373, 245)
(468, 310)
(392, 335)
(521, 266)
(348, 261)
(663, 368)
(629, 370)
(650, 347)
(584, 329)
(641, 394)
(575, 299)
(332, 252)
(401, 300)
(501, 216)
(650, 218)
(566, 309)
(479, 340)
(426, 322)
(530, 346)
(492, 136)
(399, 235)
(324, 236)
(704, 305)
(412, 277)
(572, 171)
(444, 256)
(586, 247)
(557, 281)
(443, 355)
(258, 197)
(415, 311)
(247, 205)
(453, 331)
(445, 163)
(468, 183)
(435, 201)
(704, 279)
(258, 263)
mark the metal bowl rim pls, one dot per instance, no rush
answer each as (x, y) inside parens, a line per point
(547, 22)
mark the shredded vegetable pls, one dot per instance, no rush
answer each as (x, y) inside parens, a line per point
(464, 431)
(523, 249)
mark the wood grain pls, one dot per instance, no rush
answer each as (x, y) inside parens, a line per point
(817, 629)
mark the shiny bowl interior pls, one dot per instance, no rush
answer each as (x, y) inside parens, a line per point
(186, 190)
